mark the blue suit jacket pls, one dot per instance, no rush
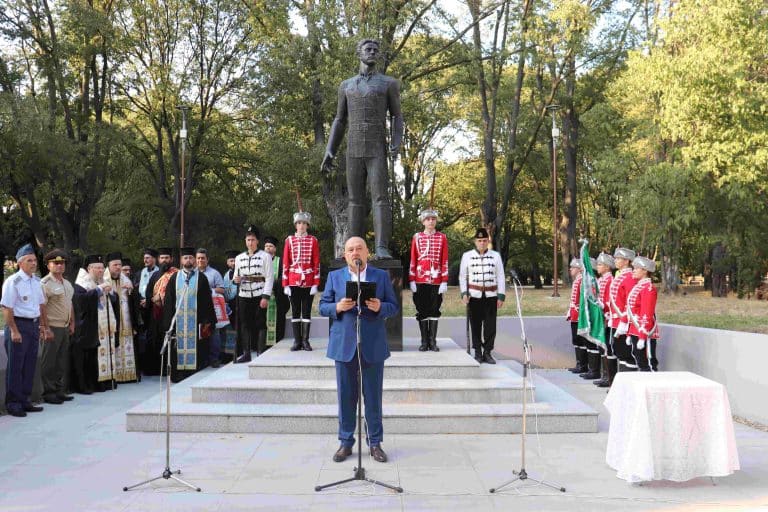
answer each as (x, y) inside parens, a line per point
(373, 336)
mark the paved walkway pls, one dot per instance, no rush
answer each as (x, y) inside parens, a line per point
(78, 457)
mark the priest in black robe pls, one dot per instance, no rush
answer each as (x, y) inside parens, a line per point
(189, 293)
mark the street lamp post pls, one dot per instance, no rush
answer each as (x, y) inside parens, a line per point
(183, 136)
(555, 135)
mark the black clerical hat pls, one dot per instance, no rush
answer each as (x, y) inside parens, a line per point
(151, 252)
(231, 254)
(127, 262)
(187, 251)
(92, 258)
(165, 250)
(269, 239)
(112, 256)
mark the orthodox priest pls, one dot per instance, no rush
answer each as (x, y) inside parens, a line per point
(279, 304)
(188, 297)
(155, 293)
(122, 287)
(95, 344)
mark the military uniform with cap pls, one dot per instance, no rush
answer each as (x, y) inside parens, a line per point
(592, 349)
(605, 265)
(643, 330)
(579, 343)
(255, 278)
(428, 275)
(482, 286)
(301, 278)
(620, 287)
(54, 359)
(23, 305)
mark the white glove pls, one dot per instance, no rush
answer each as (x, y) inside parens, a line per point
(640, 344)
(443, 288)
(628, 341)
(287, 291)
(313, 290)
(413, 287)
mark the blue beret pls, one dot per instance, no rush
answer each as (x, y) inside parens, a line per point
(24, 251)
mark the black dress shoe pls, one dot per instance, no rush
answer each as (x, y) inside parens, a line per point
(424, 347)
(488, 358)
(17, 412)
(65, 398)
(306, 346)
(296, 346)
(478, 356)
(245, 358)
(378, 454)
(86, 391)
(342, 453)
(53, 400)
(32, 408)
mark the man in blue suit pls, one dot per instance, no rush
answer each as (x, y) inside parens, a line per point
(342, 346)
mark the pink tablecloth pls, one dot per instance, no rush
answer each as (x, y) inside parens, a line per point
(669, 426)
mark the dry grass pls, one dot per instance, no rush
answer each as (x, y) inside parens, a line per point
(693, 306)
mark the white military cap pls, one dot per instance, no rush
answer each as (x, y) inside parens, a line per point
(302, 217)
(576, 263)
(606, 259)
(644, 263)
(623, 252)
(428, 212)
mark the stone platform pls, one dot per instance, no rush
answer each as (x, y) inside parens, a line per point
(446, 392)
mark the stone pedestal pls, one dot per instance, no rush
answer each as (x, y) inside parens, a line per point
(394, 324)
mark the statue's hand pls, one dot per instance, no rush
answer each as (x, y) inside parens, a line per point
(327, 165)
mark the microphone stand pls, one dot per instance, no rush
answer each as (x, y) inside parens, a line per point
(359, 470)
(523, 474)
(169, 339)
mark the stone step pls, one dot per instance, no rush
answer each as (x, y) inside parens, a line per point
(279, 363)
(396, 391)
(322, 419)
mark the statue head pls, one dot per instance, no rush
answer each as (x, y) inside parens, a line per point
(368, 51)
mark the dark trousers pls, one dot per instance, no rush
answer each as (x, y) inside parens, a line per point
(348, 395)
(85, 368)
(427, 301)
(301, 303)
(609, 343)
(482, 321)
(644, 358)
(22, 359)
(54, 362)
(251, 318)
(623, 352)
(577, 341)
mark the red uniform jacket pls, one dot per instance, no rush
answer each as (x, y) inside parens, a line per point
(573, 307)
(429, 258)
(620, 287)
(604, 283)
(301, 261)
(641, 310)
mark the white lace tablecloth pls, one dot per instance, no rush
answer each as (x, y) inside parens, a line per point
(669, 426)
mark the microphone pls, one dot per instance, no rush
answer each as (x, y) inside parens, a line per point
(358, 262)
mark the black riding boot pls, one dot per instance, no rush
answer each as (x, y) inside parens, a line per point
(297, 327)
(433, 336)
(305, 326)
(424, 328)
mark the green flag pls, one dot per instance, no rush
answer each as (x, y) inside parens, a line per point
(591, 320)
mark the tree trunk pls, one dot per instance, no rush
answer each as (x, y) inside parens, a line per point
(533, 245)
(568, 218)
(719, 270)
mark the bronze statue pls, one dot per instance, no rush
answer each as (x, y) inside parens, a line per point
(364, 101)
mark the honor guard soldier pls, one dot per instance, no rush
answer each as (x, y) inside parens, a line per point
(428, 274)
(254, 275)
(23, 305)
(481, 281)
(301, 277)
(579, 343)
(592, 349)
(605, 266)
(620, 287)
(643, 329)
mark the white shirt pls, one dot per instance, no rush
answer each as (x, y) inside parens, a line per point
(353, 274)
(23, 294)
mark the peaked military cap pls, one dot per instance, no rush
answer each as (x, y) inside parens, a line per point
(644, 263)
(623, 252)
